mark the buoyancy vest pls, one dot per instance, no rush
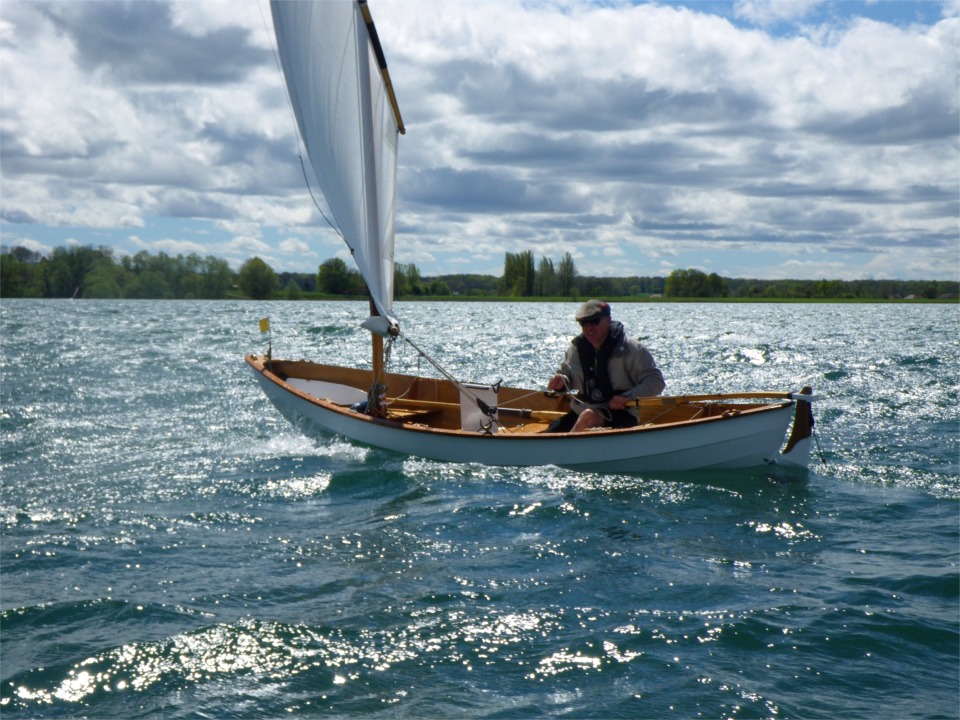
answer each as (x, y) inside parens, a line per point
(597, 387)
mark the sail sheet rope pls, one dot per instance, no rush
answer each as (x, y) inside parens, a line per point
(460, 385)
(465, 389)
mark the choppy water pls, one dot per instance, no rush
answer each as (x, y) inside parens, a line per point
(171, 548)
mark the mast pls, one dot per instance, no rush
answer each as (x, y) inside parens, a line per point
(377, 341)
(375, 338)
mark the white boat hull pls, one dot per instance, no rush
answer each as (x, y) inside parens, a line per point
(745, 439)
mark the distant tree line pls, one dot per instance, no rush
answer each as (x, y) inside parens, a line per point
(522, 279)
(95, 273)
(844, 289)
(696, 284)
(89, 272)
(337, 278)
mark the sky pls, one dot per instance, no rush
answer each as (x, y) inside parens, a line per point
(771, 139)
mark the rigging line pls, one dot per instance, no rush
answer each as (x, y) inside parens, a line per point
(816, 438)
(521, 397)
(316, 204)
(416, 377)
(296, 130)
(459, 385)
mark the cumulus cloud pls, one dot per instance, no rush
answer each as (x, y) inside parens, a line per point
(766, 12)
(295, 246)
(696, 129)
(633, 136)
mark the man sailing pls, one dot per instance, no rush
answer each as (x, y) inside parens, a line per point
(607, 369)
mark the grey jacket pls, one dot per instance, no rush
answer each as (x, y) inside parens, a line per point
(632, 370)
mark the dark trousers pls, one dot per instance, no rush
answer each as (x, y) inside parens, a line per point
(618, 419)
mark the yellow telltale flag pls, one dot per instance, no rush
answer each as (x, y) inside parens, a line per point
(264, 324)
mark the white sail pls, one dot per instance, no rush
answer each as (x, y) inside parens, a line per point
(348, 125)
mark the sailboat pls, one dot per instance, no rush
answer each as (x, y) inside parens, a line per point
(350, 123)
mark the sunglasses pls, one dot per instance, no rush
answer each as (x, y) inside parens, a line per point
(590, 323)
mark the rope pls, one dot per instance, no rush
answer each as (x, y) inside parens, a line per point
(522, 397)
(487, 410)
(597, 407)
(816, 438)
(306, 180)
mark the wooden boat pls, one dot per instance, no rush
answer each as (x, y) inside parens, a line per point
(350, 122)
(434, 418)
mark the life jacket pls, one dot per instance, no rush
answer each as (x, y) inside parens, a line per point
(597, 387)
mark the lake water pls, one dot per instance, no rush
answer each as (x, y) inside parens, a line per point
(172, 548)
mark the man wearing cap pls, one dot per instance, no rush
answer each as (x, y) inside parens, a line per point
(607, 369)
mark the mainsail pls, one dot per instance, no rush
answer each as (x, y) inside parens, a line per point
(346, 114)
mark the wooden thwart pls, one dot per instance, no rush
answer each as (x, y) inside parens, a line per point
(539, 415)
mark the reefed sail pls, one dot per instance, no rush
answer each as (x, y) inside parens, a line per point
(333, 68)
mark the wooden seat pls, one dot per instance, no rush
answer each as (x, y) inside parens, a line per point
(408, 415)
(525, 428)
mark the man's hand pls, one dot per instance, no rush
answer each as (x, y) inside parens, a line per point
(618, 402)
(557, 382)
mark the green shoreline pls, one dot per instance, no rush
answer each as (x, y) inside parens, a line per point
(313, 297)
(307, 297)
(94, 273)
